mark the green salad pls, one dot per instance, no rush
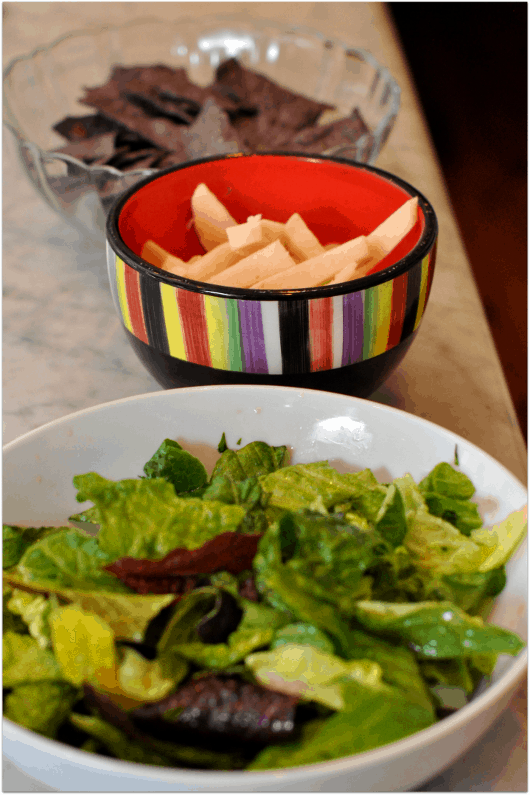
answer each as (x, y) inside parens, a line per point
(268, 616)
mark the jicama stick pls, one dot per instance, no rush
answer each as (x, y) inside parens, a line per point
(210, 217)
(302, 241)
(272, 259)
(393, 229)
(158, 256)
(215, 261)
(318, 270)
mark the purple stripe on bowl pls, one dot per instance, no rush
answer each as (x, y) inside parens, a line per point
(252, 338)
(353, 322)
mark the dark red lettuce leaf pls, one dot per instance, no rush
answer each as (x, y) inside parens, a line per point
(178, 571)
(224, 707)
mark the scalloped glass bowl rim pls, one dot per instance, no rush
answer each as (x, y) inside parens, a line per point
(258, 25)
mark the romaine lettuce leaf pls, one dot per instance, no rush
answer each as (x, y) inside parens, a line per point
(391, 521)
(447, 481)
(371, 718)
(128, 614)
(15, 541)
(329, 556)
(145, 518)
(35, 610)
(505, 538)
(41, 706)
(436, 629)
(302, 634)
(255, 630)
(318, 487)
(70, 558)
(252, 461)
(397, 662)
(177, 466)
(312, 674)
(25, 661)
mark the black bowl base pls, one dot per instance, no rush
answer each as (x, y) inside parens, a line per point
(360, 379)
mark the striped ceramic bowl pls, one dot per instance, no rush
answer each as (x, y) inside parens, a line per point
(343, 338)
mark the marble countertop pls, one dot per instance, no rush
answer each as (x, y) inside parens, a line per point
(64, 349)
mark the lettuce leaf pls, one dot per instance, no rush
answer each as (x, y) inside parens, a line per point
(177, 466)
(145, 518)
(25, 661)
(505, 538)
(256, 629)
(312, 674)
(34, 609)
(371, 718)
(447, 481)
(15, 541)
(329, 556)
(252, 461)
(436, 629)
(71, 559)
(128, 614)
(41, 707)
(302, 634)
(319, 487)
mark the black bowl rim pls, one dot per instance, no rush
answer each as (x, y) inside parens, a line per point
(420, 250)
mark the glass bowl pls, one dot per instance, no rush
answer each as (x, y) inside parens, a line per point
(43, 87)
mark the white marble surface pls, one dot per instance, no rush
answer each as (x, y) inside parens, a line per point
(64, 349)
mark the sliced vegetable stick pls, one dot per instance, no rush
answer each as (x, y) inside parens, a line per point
(318, 270)
(355, 270)
(158, 256)
(215, 261)
(196, 258)
(393, 229)
(210, 217)
(247, 238)
(329, 246)
(271, 259)
(302, 241)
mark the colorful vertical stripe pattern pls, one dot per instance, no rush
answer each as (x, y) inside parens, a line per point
(270, 337)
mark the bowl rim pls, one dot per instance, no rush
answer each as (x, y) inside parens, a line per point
(351, 764)
(424, 245)
(241, 19)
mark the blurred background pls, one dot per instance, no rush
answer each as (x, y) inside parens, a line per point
(469, 62)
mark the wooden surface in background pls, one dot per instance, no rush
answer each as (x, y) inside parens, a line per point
(470, 71)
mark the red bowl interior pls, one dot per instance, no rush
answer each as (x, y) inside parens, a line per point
(338, 202)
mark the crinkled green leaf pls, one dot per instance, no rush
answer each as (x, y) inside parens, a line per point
(143, 679)
(312, 674)
(41, 707)
(128, 614)
(398, 665)
(11, 622)
(328, 555)
(25, 661)
(177, 466)
(439, 548)
(146, 519)
(319, 487)
(247, 493)
(252, 461)
(256, 629)
(446, 480)
(72, 559)
(302, 634)
(504, 537)
(35, 610)
(287, 590)
(371, 719)
(436, 629)
(471, 592)
(391, 521)
(89, 516)
(462, 514)
(15, 541)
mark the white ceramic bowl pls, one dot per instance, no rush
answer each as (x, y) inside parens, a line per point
(116, 439)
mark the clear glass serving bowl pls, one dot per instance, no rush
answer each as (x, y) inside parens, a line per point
(43, 87)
